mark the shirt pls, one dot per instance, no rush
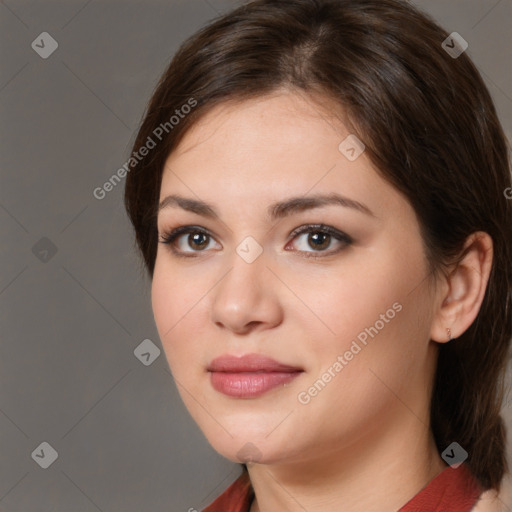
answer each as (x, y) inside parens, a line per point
(453, 490)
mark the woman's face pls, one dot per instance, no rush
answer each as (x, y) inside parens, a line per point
(347, 314)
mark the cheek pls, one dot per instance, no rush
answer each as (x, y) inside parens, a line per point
(179, 310)
(376, 311)
(172, 295)
(380, 340)
(163, 301)
(169, 301)
(342, 305)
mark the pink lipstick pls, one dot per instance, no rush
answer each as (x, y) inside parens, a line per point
(249, 376)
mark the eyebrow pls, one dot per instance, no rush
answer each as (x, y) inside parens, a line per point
(275, 211)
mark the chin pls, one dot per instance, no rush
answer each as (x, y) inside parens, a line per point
(261, 449)
(245, 448)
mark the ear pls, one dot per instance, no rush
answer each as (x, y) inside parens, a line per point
(461, 293)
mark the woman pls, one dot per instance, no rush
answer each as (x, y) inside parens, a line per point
(319, 197)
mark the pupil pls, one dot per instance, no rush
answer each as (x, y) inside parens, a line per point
(195, 238)
(314, 236)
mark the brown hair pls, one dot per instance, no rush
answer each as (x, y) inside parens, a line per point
(429, 126)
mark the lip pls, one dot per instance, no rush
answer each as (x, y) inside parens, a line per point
(249, 376)
(249, 363)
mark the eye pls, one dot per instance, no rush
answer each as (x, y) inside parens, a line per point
(320, 237)
(198, 239)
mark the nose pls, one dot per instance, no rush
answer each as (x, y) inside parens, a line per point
(247, 297)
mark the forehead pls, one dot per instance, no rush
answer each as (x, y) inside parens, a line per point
(265, 149)
(266, 138)
(292, 115)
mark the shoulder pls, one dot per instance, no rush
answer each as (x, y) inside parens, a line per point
(489, 501)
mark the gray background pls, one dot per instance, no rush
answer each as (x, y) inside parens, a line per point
(70, 321)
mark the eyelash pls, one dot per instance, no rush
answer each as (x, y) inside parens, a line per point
(170, 237)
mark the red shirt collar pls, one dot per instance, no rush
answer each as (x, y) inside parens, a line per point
(455, 490)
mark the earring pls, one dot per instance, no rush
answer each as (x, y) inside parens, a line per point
(449, 332)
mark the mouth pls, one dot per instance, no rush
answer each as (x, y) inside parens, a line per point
(249, 376)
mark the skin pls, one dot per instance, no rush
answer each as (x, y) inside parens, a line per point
(364, 441)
